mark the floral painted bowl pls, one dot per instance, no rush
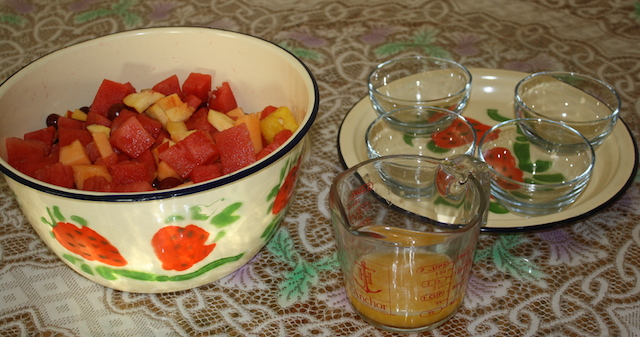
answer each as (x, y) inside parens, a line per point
(168, 240)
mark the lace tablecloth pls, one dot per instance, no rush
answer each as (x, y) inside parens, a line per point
(579, 279)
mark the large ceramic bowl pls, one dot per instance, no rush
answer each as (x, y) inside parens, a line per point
(232, 217)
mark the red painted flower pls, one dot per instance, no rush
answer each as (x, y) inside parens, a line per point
(85, 242)
(179, 248)
(502, 161)
(286, 190)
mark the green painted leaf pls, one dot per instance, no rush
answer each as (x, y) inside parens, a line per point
(45, 221)
(550, 178)
(85, 268)
(106, 273)
(495, 207)
(408, 139)
(57, 214)
(273, 193)
(271, 229)
(72, 258)
(219, 236)
(207, 268)
(174, 218)
(79, 220)
(196, 213)
(110, 273)
(226, 217)
(542, 165)
(431, 145)
(520, 195)
(521, 151)
(495, 115)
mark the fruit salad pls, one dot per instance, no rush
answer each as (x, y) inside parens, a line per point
(154, 139)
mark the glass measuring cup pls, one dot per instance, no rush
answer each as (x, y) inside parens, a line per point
(406, 257)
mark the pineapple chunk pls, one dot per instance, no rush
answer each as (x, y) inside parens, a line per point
(142, 100)
(219, 120)
(178, 131)
(158, 114)
(173, 127)
(277, 121)
(167, 102)
(170, 109)
(80, 115)
(93, 128)
(179, 113)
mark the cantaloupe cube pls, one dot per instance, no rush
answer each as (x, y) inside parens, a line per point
(84, 172)
(166, 171)
(253, 124)
(235, 113)
(103, 144)
(74, 154)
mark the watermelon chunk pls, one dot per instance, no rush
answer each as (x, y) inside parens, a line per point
(153, 126)
(96, 118)
(123, 115)
(206, 172)
(46, 135)
(70, 123)
(131, 138)
(199, 121)
(198, 85)
(140, 186)
(222, 99)
(109, 93)
(56, 174)
(97, 184)
(267, 110)
(178, 158)
(193, 101)
(200, 147)
(66, 136)
(168, 86)
(130, 172)
(278, 140)
(236, 148)
(21, 149)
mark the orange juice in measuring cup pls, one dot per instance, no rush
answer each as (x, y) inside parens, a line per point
(406, 250)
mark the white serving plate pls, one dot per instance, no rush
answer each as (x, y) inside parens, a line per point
(616, 159)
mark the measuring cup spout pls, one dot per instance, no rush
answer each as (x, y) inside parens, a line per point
(466, 165)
